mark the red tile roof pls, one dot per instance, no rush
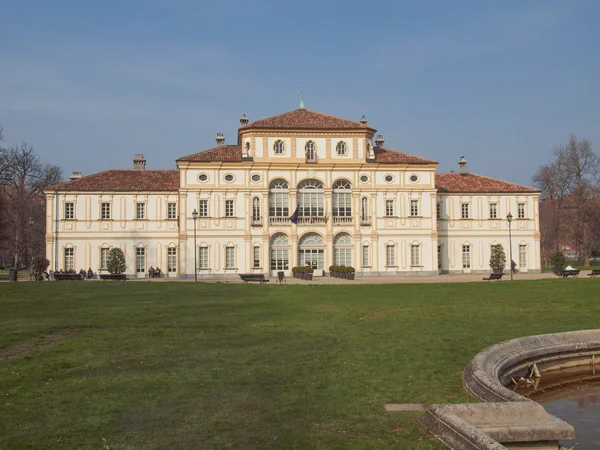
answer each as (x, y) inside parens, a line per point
(123, 180)
(306, 119)
(455, 182)
(221, 153)
(387, 155)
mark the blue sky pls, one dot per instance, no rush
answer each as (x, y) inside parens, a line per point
(89, 84)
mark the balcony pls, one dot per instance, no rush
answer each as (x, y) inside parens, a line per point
(275, 220)
(256, 222)
(311, 220)
(342, 221)
(365, 222)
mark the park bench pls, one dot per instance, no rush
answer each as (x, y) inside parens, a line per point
(494, 276)
(113, 276)
(248, 277)
(67, 277)
(569, 273)
(594, 272)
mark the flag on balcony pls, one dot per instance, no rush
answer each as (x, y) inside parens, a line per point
(294, 217)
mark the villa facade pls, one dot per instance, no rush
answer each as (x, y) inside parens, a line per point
(301, 188)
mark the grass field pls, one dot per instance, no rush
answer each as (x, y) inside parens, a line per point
(178, 365)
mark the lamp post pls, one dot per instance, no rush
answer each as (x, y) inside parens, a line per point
(195, 217)
(30, 251)
(509, 218)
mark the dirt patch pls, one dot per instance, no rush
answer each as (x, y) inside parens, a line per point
(25, 346)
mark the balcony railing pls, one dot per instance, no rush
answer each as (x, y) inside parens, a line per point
(274, 220)
(311, 220)
(342, 220)
(256, 222)
(365, 222)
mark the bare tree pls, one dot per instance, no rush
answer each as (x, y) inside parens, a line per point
(22, 181)
(570, 195)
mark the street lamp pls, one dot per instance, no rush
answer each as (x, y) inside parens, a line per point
(30, 251)
(195, 217)
(509, 218)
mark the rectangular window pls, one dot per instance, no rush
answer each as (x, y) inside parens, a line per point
(414, 207)
(228, 208)
(172, 260)
(365, 256)
(280, 259)
(140, 259)
(521, 210)
(466, 250)
(439, 255)
(342, 204)
(172, 211)
(278, 204)
(522, 257)
(140, 211)
(389, 208)
(342, 257)
(69, 211)
(104, 258)
(203, 257)
(230, 257)
(69, 259)
(493, 210)
(256, 257)
(105, 211)
(465, 211)
(203, 208)
(438, 210)
(414, 255)
(390, 259)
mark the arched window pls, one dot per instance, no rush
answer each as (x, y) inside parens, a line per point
(341, 148)
(279, 199)
(247, 148)
(342, 199)
(364, 213)
(342, 250)
(311, 251)
(256, 210)
(280, 252)
(310, 151)
(278, 147)
(172, 258)
(310, 199)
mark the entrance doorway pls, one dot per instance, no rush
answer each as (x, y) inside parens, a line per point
(311, 252)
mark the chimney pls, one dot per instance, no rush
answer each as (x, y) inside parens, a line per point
(220, 139)
(75, 176)
(243, 120)
(463, 165)
(379, 141)
(139, 162)
(363, 120)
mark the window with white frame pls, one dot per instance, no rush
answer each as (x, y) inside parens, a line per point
(104, 251)
(69, 259)
(230, 257)
(172, 211)
(140, 211)
(465, 211)
(203, 208)
(256, 217)
(522, 256)
(414, 207)
(364, 210)
(172, 259)
(438, 210)
(342, 199)
(69, 211)
(279, 199)
(280, 252)
(140, 260)
(278, 147)
(414, 256)
(439, 255)
(105, 211)
(310, 151)
(203, 257)
(310, 199)
(256, 256)
(390, 256)
(493, 210)
(389, 208)
(466, 256)
(521, 210)
(342, 250)
(365, 256)
(341, 148)
(228, 208)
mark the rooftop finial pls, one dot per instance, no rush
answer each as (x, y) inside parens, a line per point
(301, 99)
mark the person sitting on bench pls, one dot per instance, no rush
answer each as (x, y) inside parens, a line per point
(151, 272)
(157, 272)
(90, 273)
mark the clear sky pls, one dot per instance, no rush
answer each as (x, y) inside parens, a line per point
(91, 83)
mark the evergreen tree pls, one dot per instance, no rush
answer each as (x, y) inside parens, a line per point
(116, 261)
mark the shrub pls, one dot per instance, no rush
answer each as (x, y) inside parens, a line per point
(40, 264)
(558, 260)
(308, 269)
(116, 261)
(497, 258)
(332, 268)
(351, 269)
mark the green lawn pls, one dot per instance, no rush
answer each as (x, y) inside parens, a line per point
(176, 365)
